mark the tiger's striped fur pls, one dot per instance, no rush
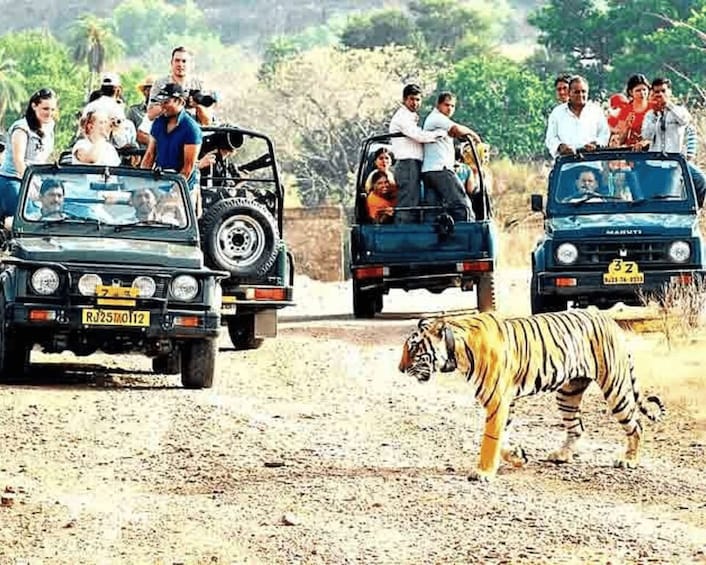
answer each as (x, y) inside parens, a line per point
(509, 359)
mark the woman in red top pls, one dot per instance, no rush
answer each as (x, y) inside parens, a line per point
(629, 128)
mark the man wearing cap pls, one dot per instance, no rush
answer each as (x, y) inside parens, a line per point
(175, 138)
(137, 112)
(180, 66)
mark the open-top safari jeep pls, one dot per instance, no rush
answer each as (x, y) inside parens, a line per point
(104, 258)
(429, 250)
(619, 226)
(241, 231)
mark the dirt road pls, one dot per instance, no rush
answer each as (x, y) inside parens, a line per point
(314, 449)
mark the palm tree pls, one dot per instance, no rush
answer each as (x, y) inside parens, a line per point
(12, 91)
(94, 42)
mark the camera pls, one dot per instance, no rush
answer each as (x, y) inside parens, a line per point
(202, 99)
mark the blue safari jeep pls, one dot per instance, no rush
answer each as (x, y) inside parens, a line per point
(430, 251)
(619, 225)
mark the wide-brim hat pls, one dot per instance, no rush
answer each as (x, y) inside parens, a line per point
(147, 81)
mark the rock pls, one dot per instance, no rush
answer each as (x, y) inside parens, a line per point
(290, 519)
(7, 500)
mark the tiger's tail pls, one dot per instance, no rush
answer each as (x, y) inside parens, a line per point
(653, 408)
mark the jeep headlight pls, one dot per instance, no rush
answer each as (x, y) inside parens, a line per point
(45, 281)
(679, 251)
(145, 286)
(184, 288)
(567, 253)
(87, 284)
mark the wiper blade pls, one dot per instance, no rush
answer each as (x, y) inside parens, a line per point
(70, 219)
(586, 196)
(146, 223)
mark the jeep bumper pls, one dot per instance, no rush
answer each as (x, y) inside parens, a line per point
(589, 287)
(461, 274)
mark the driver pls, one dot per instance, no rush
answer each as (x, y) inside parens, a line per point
(144, 202)
(586, 182)
(51, 200)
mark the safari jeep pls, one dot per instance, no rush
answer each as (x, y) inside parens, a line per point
(428, 250)
(619, 226)
(108, 259)
(241, 232)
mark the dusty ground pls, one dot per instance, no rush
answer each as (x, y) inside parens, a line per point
(314, 449)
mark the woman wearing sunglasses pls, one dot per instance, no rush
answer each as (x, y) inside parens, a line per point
(30, 140)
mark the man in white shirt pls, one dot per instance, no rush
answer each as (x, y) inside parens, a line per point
(664, 128)
(441, 184)
(578, 125)
(408, 150)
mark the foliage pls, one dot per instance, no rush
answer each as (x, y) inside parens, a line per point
(380, 28)
(44, 62)
(610, 40)
(12, 92)
(142, 24)
(503, 102)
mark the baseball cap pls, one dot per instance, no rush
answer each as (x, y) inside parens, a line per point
(110, 79)
(171, 90)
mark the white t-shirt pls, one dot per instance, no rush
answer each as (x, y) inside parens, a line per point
(109, 156)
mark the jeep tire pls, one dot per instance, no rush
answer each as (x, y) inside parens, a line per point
(198, 363)
(485, 289)
(241, 330)
(14, 354)
(239, 236)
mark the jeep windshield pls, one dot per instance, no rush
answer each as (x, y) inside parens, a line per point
(71, 195)
(621, 182)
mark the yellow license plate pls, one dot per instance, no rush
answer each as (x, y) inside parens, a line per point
(103, 290)
(623, 272)
(102, 317)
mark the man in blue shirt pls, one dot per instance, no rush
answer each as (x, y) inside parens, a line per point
(441, 185)
(175, 139)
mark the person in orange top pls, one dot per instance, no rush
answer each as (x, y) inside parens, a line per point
(629, 128)
(382, 199)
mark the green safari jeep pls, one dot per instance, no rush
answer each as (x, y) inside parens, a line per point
(108, 258)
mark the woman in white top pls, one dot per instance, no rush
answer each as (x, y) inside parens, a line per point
(93, 148)
(30, 141)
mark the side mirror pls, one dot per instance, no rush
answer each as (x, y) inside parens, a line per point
(536, 202)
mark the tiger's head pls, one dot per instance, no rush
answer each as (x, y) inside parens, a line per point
(430, 347)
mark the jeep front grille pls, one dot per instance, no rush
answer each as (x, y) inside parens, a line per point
(119, 279)
(603, 252)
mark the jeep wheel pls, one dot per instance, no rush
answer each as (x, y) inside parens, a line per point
(14, 354)
(198, 363)
(486, 293)
(365, 302)
(240, 236)
(241, 330)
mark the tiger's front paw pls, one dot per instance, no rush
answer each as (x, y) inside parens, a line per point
(515, 456)
(481, 476)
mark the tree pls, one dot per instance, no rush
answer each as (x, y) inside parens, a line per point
(380, 28)
(503, 102)
(43, 62)
(321, 103)
(142, 24)
(93, 41)
(12, 92)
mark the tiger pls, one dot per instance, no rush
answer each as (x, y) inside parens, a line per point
(507, 359)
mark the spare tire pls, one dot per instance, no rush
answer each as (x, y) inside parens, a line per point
(239, 236)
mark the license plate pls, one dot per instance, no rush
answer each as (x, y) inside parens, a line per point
(623, 272)
(102, 317)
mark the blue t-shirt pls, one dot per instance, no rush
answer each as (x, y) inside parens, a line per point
(170, 146)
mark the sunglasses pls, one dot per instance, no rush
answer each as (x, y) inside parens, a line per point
(43, 94)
